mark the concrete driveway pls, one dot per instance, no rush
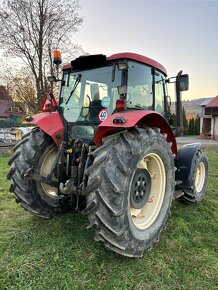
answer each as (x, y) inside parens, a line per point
(195, 139)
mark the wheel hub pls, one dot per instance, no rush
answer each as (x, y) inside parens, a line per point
(140, 189)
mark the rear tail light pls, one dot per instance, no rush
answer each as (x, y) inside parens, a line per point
(121, 105)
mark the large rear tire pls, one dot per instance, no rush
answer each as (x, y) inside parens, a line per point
(130, 187)
(35, 152)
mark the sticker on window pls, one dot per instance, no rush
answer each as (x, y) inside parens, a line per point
(102, 115)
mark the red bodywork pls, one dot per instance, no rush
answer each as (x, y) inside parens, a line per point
(50, 123)
(135, 118)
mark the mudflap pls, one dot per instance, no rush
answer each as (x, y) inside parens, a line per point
(185, 166)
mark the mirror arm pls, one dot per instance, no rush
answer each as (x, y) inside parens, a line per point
(178, 106)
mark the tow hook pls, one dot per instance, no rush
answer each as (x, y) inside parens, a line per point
(68, 187)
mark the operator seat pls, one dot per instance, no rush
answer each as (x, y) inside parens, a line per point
(95, 105)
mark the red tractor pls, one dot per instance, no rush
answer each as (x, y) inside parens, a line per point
(108, 149)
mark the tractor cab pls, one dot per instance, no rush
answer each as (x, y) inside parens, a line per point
(94, 87)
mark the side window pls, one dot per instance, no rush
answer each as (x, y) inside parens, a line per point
(139, 86)
(66, 89)
(159, 94)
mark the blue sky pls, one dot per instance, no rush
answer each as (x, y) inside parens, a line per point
(178, 34)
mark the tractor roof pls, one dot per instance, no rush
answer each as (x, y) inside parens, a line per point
(139, 58)
(132, 56)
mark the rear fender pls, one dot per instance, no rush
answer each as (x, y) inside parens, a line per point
(185, 164)
(128, 119)
(50, 123)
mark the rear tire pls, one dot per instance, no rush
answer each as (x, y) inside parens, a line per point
(199, 180)
(35, 152)
(131, 167)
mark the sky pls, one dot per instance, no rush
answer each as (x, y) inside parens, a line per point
(181, 35)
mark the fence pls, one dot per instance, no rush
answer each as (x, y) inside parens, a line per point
(11, 135)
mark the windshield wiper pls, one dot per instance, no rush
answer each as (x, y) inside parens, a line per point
(74, 88)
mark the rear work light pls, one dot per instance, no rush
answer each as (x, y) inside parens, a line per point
(121, 105)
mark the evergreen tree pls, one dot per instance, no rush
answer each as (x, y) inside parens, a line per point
(191, 127)
(197, 125)
(185, 122)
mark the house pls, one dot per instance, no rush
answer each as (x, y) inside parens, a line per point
(209, 118)
(7, 106)
(5, 103)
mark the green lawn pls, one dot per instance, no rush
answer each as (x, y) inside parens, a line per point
(61, 253)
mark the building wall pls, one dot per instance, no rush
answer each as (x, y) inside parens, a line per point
(212, 127)
(215, 136)
(201, 126)
(206, 124)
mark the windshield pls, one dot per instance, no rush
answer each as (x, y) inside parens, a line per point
(89, 95)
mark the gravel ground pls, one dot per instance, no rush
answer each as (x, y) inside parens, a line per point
(196, 139)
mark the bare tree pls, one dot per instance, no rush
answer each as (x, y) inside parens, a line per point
(18, 85)
(32, 29)
(23, 91)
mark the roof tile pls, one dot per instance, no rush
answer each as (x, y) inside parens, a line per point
(213, 103)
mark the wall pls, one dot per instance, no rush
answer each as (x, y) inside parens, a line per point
(215, 137)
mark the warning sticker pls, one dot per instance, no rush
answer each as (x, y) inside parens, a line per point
(102, 115)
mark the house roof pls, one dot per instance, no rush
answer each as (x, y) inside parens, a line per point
(213, 103)
(205, 102)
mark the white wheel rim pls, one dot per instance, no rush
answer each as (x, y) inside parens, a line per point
(145, 217)
(45, 170)
(200, 177)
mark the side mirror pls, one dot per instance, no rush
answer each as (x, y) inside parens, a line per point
(52, 79)
(183, 82)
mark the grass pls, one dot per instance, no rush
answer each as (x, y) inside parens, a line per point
(61, 253)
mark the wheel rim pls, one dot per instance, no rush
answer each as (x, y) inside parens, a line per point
(45, 170)
(144, 217)
(200, 177)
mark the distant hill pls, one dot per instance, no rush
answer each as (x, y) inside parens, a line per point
(192, 107)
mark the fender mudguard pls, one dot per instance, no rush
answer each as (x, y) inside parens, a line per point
(128, 119)
(185, 165)
(50, 123)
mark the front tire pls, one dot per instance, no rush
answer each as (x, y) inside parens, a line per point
(130, 186)
(35, 152)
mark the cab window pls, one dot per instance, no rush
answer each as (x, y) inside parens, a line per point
(139, 86)
(159, 93)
